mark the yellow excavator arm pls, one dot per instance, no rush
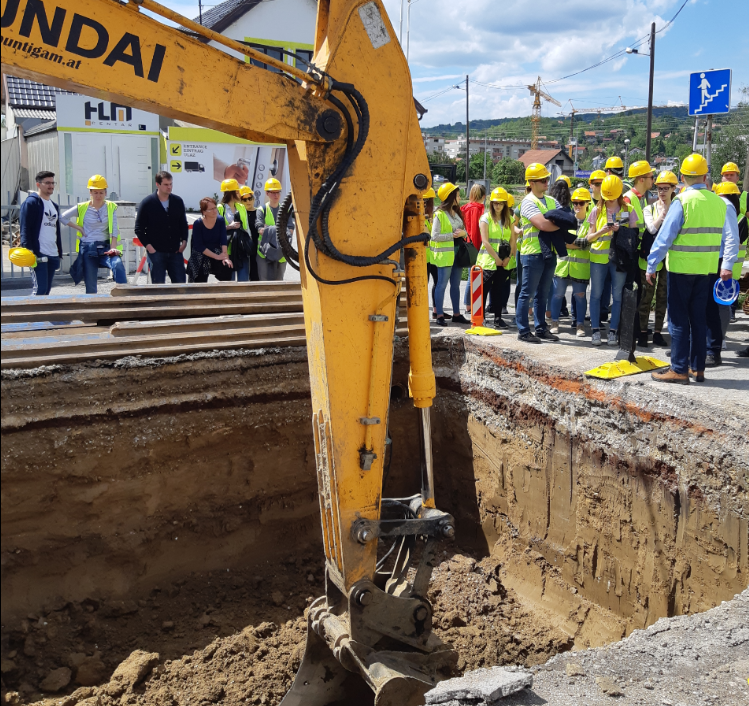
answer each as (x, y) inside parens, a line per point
(358, 168)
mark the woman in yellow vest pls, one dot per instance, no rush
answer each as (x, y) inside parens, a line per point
(447, 229)
(604, 222)
(653, 215)
(429, 196)
(248, 199)
(497, 248)
(271, 264)
(234, 213)
(574, 270)
(98, 243)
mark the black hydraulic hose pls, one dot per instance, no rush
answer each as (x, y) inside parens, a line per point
(284, 213)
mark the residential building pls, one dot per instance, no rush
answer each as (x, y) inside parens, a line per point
(496, 149)
(434, 145)
(554, 160)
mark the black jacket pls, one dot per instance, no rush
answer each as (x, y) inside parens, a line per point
(163, 229)
(32, 212)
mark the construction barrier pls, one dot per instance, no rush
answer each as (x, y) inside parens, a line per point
(476, 282)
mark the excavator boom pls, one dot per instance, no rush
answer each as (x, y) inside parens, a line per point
(358, 168)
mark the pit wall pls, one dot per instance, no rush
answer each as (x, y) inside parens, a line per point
(607, 505)
(603, 505)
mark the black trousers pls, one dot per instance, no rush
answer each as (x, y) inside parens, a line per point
(494, 282)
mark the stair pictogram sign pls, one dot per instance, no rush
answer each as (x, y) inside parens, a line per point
(710, 92)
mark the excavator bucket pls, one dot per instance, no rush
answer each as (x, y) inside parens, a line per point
(373, 645)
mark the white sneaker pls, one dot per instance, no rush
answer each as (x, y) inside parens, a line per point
(612, 339)
(581, 331)
(596, 340)
(554, 328)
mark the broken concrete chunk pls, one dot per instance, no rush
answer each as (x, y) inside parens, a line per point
(135, 668)
(488, 685)
(56, 680)
(608, 686)
(574, 670)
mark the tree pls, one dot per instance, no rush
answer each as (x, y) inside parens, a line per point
(509, 171)
(477, 167)
(731, 142)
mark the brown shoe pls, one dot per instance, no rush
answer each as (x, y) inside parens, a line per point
(697, 377)
(669, 375)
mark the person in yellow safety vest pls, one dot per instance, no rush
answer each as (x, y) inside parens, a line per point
(574, 270)
(497, 249)
(698, 231)
(594, 181)
(605, 218)
(654, 215)
(429, 196)
(538, 272)
(270, 270)
(234, 213)
(98, 242)
(447, 230)
(730, 172)
(248, 200)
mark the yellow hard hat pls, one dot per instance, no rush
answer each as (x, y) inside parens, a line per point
(21, 257)
(429, 193)
(597, 175)
(727, 187)
(612, 187)
(614, 163)
(667, 178)
(581, 194)
(729, 167)
(510, 200)
(499, 195)
(536, 171)
(566, 179)
(445, 190)
(97, 181)
(273, 185)
(246, 191)
(229, 185)
(694, 165)
(640, 168)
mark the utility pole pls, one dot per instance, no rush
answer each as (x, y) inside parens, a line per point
(696, 130)
(468, 140)
(650, 91)
(709, 150)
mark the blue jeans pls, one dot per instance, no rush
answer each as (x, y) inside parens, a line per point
(93, 259)
(578, 298)
(598, 273)
(606, 296)
(444, 275)
(43, 273)
(162, 262)
(242, 269)
(537, 278)
(687, 302)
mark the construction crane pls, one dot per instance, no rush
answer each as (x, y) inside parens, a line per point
(538, 94)
(349, 123)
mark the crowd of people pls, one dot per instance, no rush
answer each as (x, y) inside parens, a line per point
(232, 239)
(610, 242)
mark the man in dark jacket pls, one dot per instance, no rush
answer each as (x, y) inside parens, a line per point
(161, 227)
(40, 233)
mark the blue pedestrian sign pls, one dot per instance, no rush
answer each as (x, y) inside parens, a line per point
(582, 175)
(710, 92)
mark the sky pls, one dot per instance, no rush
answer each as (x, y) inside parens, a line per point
(509, 43)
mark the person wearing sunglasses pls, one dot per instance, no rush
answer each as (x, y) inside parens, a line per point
(574, 269)
(538, 273)
(98, 243)
(595, 180)
(654, 215)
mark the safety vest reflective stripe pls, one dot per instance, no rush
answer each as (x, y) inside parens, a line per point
(269, 221)
(530, 244)
(634, 200)
(241, 210)
(577, 262)
(498, 234)
(111, 208)
(428, 229)
(599, 248)
(443, 251)
(696, 249)
(694, 231)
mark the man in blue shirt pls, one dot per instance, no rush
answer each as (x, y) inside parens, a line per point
(694, 269)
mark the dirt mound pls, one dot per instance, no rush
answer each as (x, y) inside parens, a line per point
(485, 622)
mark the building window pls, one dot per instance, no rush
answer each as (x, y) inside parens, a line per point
(274, 52)
(306, 55)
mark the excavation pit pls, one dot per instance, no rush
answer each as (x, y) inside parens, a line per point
(170, 506)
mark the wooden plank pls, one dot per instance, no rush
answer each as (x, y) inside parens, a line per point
(212, 323)
(207, 288)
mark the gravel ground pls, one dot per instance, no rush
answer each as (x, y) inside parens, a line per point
(681, 661)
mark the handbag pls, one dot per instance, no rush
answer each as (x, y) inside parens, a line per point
(465, 254)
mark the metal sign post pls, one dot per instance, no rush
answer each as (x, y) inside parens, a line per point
(709, 94)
